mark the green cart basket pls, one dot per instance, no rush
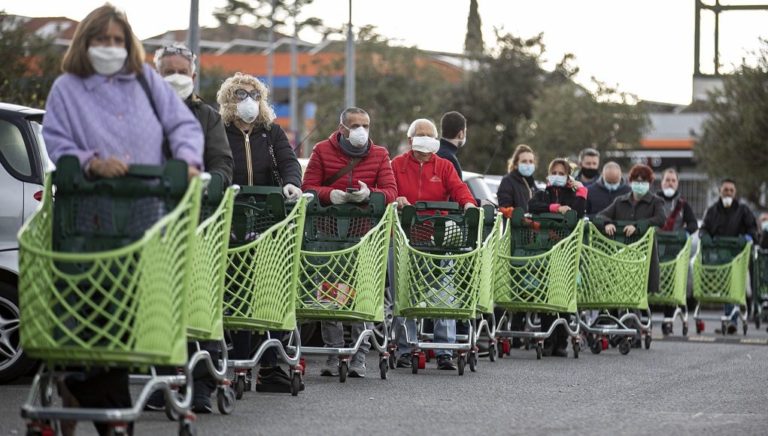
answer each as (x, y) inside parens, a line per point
(486, 319)
(720, 271)
(760, 286)
(613, 274)
(261, 280)
(534, 271)
(104, 271)
(438, 269)
(343, 272)
(674, 259)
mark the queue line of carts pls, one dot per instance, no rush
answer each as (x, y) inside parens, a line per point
(125, 273)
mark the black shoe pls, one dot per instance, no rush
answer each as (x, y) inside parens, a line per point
(445, 362)
(517, 343)
(732, 329)
(201, 402)
(156, 402)
(274, 380)
(547, 348)
(559, 352)
(404, 361)
(637, 342)
(666, 328)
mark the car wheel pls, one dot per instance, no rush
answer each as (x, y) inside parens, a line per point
(13, 361)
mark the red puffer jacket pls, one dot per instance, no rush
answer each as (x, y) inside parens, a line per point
(327, 159)
(434, 180)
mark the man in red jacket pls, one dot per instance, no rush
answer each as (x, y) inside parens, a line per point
(421, 175)
(346, 168)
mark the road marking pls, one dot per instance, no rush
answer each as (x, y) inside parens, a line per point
(754, 341)
(701, 339)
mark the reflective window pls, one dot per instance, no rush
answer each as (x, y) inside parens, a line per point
(13, 150)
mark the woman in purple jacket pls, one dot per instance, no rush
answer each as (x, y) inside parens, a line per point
(111, 110)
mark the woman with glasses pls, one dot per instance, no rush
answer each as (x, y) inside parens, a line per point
(263, 157)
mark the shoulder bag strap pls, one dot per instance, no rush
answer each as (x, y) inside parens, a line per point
(145, 86)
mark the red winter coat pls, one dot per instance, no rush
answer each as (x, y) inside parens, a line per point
(327, 159)
(434, 180)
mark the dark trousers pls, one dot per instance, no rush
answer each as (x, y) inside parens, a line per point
(559, 338)
(101, 389)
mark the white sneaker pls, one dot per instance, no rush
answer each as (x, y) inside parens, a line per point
(331, 367)
(357, 367)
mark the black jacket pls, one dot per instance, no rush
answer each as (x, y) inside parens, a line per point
(684, 218)
(516, 191)
(564, 196)
(217, 156)
(600, 197)
(448, 151)
(649, 208)
(253, 163)
(732, 221)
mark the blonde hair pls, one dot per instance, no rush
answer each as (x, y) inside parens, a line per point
(520, 149)
(76, 59)
(227, 100)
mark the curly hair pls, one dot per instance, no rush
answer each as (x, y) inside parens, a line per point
(227, 100)
(641, 171)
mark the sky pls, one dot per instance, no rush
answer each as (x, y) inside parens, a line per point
(644, 47)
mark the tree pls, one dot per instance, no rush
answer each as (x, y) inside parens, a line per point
(473, 42)
(567, 118)
(29, 67)
(395, 85)
(734, 141)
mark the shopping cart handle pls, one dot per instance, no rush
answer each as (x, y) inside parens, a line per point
(449, 206)
(260, 190)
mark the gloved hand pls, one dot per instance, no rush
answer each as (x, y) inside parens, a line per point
(338, 197)
(291, 192)
(360, 195)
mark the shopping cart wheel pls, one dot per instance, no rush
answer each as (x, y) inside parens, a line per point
(472, 361)
(392, 360)
(596, 347)
(527, 343)
(187, 428)
(422, 360)
(576, 349)
(239, 386)
(225, 400)
(625, 345)
(745, 328)
(383, 368)
(539, 350)
(343, 369)
(492, 352)
(296, 383)
(685, 329)
(648, 340)
(757, 321)
(415, 363)
(462, 364)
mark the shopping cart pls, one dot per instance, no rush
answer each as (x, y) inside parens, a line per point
(438, 268)
(720, 271)
(262, 277)
(486, 319)
(343, 272)
(760, 286)
(534, 271)
(104, 272)
(674, 258)
(613, 275)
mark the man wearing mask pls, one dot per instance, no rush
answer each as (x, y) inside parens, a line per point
(606, 189)
(176, 63)
(729, 217)
(346, 168)
(677, 210)
(421, 175)
(453, 126)
(589, 162)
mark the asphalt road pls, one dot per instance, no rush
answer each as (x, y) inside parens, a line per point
(676, 387)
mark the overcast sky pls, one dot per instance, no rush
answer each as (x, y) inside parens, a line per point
(643, 46)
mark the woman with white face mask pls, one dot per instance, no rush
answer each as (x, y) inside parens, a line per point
(679, 213)
(110, 110)
(561, 195)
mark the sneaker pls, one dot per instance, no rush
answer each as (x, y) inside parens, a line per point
(357, 367)
(331, 367)
(274, 380)
(732, 329)
(404, 361)
(156, 402)
(201, 402)
(445, 362)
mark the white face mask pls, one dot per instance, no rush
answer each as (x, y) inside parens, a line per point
(358, 136)
(248, 110)
(182, 84)
(107, 60)
(668, 192)
(425, 144)
(727, 201)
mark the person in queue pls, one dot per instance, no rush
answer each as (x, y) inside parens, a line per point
(606, 189)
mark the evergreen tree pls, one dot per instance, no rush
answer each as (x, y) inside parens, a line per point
(473, 42)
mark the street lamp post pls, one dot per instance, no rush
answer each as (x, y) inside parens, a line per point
(193, 36)
(349, 81)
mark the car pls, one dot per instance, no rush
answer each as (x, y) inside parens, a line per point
(23, 164)
(479, 187)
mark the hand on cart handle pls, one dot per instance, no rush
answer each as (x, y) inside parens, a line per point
(402, 202)
(610, 229)
(106, 168)
(629, 230)
(291, 192)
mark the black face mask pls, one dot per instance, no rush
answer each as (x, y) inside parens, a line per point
(589, 173)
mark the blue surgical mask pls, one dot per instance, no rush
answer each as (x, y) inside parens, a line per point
(640, 188)
(612, 186)
(526, 169)
(557, 180)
